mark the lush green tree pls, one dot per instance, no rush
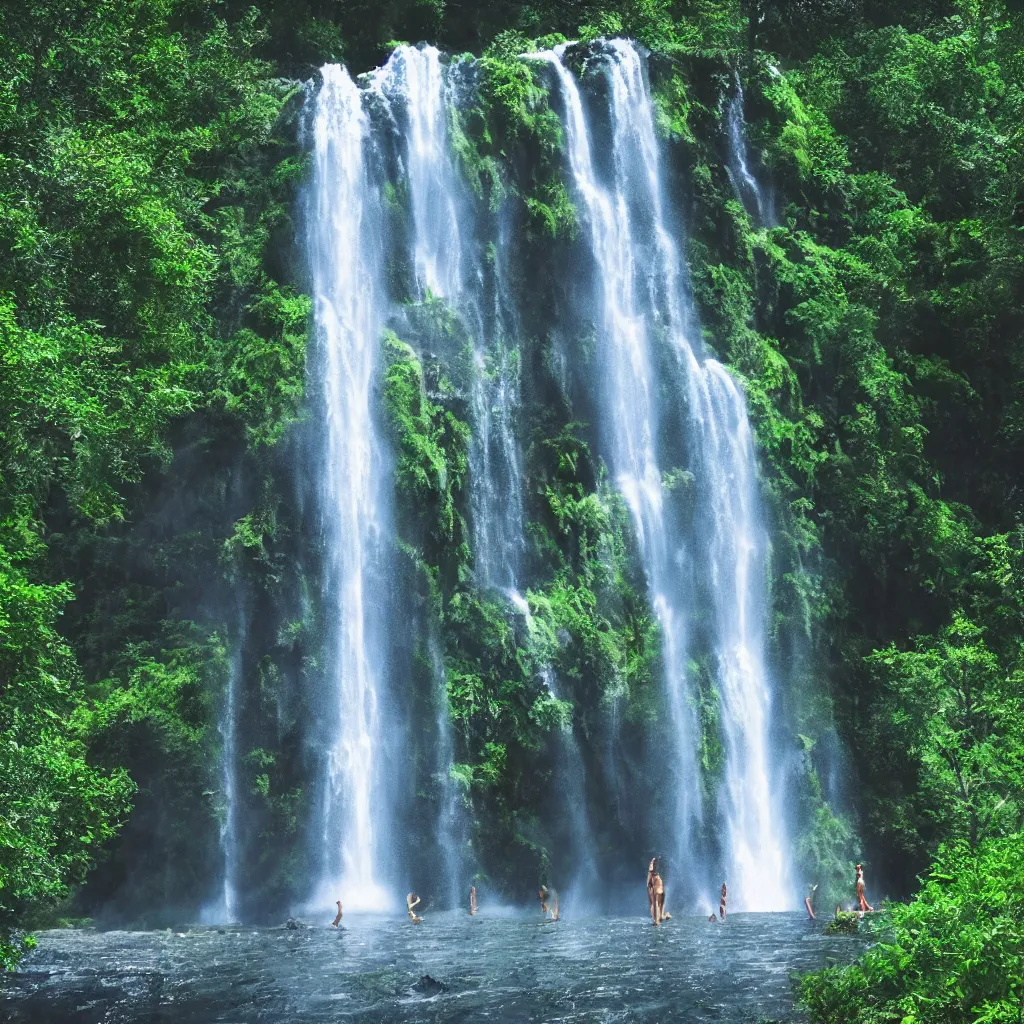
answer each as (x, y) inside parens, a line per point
(953, 955)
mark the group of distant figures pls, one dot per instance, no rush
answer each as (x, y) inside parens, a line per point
(655, 899)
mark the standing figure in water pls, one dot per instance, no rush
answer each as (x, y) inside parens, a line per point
(656, 894)
(861, 898)
(545, 893)
(337, 920)
(658, 887)
(411, 901)
(808, 900)
(650, 885)
(721, 901)
(472, 901)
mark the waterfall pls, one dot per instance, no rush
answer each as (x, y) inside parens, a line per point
(744, 182)
(628, 399)
(347, 247)
(664, 412)
(640, 288)
(451, 822)
(228, 729)
(449, 239)
(748, 800)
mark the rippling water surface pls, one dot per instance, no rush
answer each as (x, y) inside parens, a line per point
(493, 968)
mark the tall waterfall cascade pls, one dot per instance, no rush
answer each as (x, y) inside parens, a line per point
(346, 251)
(661, 405)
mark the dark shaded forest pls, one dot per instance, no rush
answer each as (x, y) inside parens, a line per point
(154, 325)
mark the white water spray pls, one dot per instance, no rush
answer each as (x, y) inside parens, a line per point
(628, 395)
(347, 290)
(640, 281)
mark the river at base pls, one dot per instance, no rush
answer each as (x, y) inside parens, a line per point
(494, 968)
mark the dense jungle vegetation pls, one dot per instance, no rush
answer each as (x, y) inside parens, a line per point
(154, 326)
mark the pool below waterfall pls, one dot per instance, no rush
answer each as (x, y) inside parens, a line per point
(498, 968)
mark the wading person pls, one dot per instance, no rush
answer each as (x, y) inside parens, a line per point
(659, 898)
(545, 895)
(650, 886)
(412, 901)
(808, 900)
(337, 920)
(721, 901)
(861, 898)
(472, 900)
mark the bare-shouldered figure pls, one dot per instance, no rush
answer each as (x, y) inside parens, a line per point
(412, 901)
(659, 898)
(721, 901)
(862, 900)
(809, 901)
(337, 920)
(650, 887)
(472, 901)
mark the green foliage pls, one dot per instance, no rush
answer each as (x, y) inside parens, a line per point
(845, 922)
(959, 715)
(141, 184)
(152, 356)
(56, 809)
(954, 954)
(431, 443)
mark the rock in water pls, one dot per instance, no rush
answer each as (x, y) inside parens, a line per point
(293, 924)
(430, 986)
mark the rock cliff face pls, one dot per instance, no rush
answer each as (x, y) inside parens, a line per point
(552, 621)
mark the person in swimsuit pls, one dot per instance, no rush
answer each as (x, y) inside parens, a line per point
(659, 899)
(545, 894)
(861, 898)
(412, 901)
(337, 920)
(808, 899)
(472, 901)
(656, 894)
(650, 885)
(721, 901)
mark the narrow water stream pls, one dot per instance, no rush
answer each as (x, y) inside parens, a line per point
(501, 968)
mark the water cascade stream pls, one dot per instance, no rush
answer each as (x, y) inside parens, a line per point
(228, 729)
(639, 282)
(347, 245)
(744, 182)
